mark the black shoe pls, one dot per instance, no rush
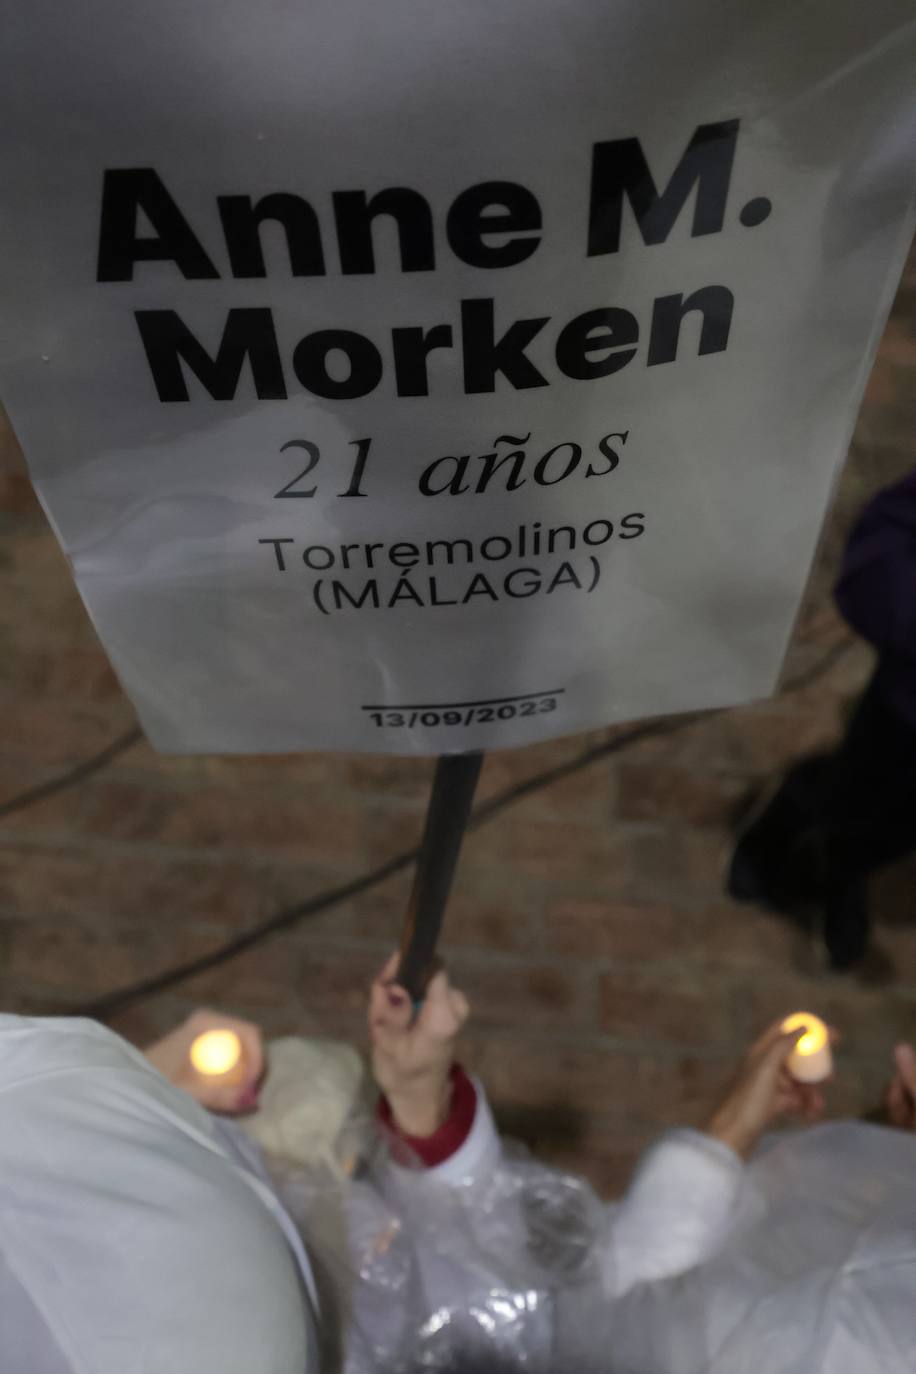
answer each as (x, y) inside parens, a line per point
(783, 877)
(846, 924)
(778, 860)
(746, 881)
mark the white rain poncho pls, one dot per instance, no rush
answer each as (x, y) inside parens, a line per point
(135, 1235)
(818, 1275)
(138, 1234)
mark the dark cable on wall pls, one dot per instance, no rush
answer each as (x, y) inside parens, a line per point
(75, 775)
(117, 1000)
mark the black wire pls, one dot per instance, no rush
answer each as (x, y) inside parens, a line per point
(119, 998)
(116, 1001)
(650, 730)
(73, 775)
(131, 737)
(113, 1002)
(487, 810)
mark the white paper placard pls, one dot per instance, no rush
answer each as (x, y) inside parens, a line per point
(419, 377)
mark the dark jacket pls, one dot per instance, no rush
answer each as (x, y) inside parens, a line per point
(877, 590)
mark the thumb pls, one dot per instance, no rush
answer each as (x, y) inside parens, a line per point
(905, 1059)
(777, 1053)
(392, 1010)
(787, 1041)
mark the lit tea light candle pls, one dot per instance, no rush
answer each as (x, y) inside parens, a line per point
(218, 1054)
(811, 1060)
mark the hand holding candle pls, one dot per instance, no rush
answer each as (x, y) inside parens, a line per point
(218, 1054)
(217, 1059)
(766, 1088)
(811, 1061)
(900, 1099)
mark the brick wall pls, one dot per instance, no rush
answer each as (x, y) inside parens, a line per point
(611, 979)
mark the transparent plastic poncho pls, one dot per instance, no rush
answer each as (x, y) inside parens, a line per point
(450, 1277)
(815, 1271)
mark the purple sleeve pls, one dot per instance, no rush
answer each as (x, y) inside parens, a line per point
(876, 591)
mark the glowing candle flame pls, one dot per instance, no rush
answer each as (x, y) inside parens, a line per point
(815, 1036)
(216, 1052)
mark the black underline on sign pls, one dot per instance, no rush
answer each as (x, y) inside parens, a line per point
(453, 705)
